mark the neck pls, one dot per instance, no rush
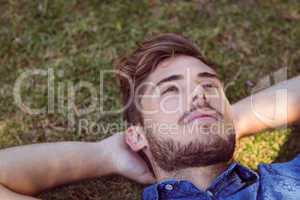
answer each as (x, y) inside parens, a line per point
(201, 177)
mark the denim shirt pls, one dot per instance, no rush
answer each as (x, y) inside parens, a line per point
(273, 181)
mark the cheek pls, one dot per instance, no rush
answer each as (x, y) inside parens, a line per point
(165, 110)
(168, 111)
(219, 102)
(223, 106)
(161, 124)
(150, 106)
(170, 104)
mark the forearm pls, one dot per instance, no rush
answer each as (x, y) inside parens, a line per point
(270, 108)
(33, 168)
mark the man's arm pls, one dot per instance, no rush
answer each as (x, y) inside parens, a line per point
(270, 108)
(31, 169)
(9, 195)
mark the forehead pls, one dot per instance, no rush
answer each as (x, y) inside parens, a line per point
(179, 65)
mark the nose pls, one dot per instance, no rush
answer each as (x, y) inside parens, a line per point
(199, 97)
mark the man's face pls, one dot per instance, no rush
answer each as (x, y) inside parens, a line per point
(187, 117)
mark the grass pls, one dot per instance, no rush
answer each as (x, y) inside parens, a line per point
(81, 38)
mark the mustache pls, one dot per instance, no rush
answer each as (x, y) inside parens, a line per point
(194, 108)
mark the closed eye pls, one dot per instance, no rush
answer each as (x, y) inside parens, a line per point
(170, 89)
(209, 85)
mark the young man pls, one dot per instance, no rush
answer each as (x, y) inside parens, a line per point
(183, 126)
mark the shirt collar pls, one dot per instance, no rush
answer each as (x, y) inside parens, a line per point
(233, 179)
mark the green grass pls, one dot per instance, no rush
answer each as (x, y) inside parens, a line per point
(81, 38)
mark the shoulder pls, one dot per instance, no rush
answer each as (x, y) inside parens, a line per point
(280, 180)
(289, 169)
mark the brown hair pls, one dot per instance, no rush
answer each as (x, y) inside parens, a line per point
(137, 66)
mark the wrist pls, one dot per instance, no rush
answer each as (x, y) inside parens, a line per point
(105, 164)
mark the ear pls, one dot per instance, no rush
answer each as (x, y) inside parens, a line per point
(135, 138)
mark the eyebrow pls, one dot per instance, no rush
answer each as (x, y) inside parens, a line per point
(170, 78)
(178, 77)
(207, 75)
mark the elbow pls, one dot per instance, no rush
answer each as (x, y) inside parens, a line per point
(6, 189)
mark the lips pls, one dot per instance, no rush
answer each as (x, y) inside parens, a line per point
(202, 116)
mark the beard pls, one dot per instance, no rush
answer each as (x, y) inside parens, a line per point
(208, 149)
